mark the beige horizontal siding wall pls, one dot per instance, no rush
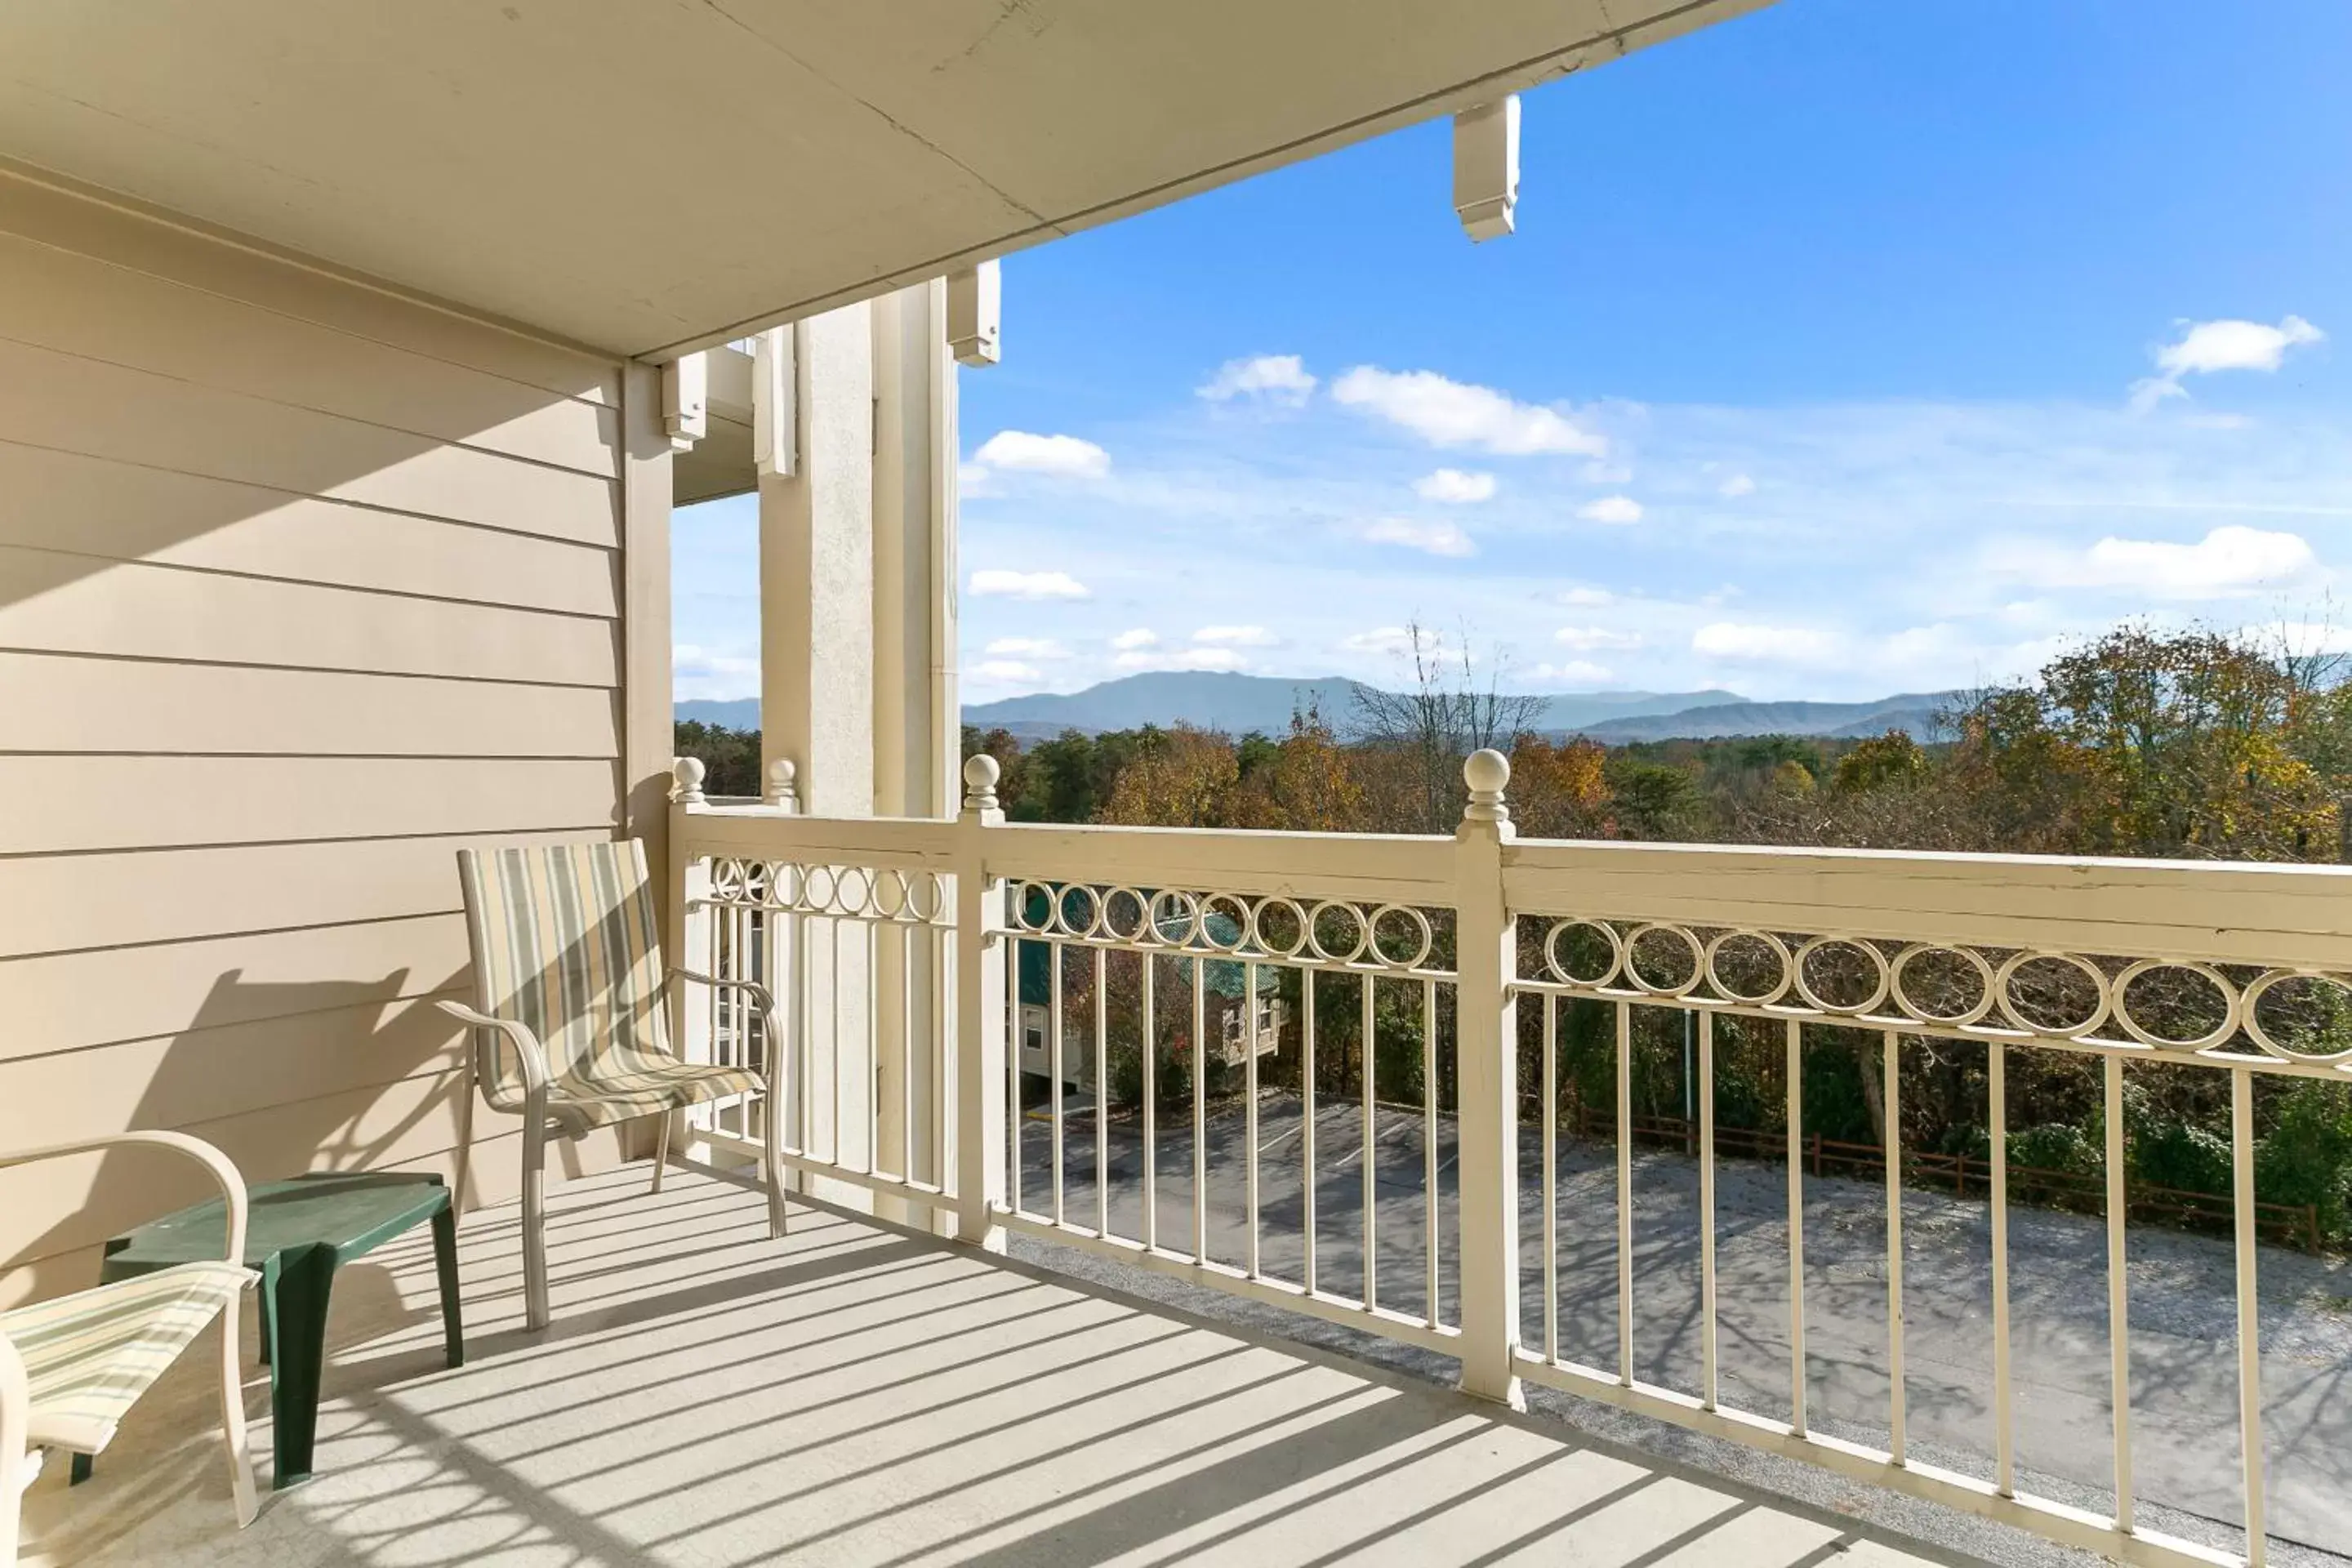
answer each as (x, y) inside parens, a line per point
(302, 587)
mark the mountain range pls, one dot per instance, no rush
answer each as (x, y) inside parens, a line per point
(1240, 703)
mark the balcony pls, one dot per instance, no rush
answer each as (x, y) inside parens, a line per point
(1525, 1234)
(1094, 1321)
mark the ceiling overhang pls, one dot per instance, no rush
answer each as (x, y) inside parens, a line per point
(654, 177)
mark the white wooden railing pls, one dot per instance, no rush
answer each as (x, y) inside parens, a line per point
(896, 948)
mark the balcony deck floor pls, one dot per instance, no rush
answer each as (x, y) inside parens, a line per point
(853, 1395)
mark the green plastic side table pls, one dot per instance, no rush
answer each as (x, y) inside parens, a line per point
(298, 1233)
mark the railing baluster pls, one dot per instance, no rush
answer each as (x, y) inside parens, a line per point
(1429, 1136)
(1307, 1121)
(1372, 1181)
(1102, 1092)
(1200, 1115)
(1706, 1349)
(906, 941)
(1796, 1116)
(1891, 1145)
(1150, 1109)
(1626, 1193)
(1054, 1062)
(870, 1156)
(1249, 1109)
(1551, 1177)
(1020, 1040)
(2250, 1321)
(2118, 1291)
(833, 1037)
(2004, 1436)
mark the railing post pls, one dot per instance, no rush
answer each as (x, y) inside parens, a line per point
(684, 937)
(1486, 1123)
(980, 1059)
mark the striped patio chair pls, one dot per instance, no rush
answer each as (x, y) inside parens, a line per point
(71, 1368)
(570, 1015)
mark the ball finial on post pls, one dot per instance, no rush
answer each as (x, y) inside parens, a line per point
(980, 775)
(782, 785)
(686, 773)
(1486, 771)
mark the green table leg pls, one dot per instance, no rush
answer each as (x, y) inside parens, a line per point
(445, 1263)
(298, 1314)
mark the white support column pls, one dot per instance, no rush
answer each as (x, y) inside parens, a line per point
(917, 727)
(980, 1000)
(1487, 1119)
(816, 684)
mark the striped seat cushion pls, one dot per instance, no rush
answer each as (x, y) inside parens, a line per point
(665, 1086)
(88, 1356)
(565, 943)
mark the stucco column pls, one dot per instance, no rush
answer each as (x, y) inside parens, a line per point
(916, 724)
(816, 690)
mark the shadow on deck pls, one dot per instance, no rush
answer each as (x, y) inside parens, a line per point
(854, 1394)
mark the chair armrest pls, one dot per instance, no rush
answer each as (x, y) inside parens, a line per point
(762, 998)
(758, 990)
(535, 1075)
(232, 1184)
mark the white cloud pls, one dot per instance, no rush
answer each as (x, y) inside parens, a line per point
(1063, 457)
(1763, 644)
(1005, 669)
(1612, 509)
(1210, 658)
(1436, 538)
(1575, 671)
(2227, 561)
(1140, 636)
(1584, 597)
(712, 673)
(1236, 636)
(1270, 378)
(1454, 485)
(1027, 647)
(1735, 486)
(1386, 639)
(1587, 640)
(2205, 347)
(996, 582)
(1447, 413)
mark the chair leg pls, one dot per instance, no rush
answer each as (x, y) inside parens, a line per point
(775, 1162)
(240, 1457)
(661, 1148)
(534, 1224)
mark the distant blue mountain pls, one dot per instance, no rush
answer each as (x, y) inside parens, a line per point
(737, 713)
(1237, 704)
(1240, 703)
(1915, 713)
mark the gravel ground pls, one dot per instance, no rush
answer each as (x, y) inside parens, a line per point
(2182, 1324)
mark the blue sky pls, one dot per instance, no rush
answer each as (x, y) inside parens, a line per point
(1844, 348)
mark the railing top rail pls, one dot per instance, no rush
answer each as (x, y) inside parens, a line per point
(765, 833)
(2286, 915)
(1309, 867)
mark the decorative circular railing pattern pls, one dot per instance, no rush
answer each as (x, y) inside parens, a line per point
(841, 892)
(1274, 929)
(2175, 1006)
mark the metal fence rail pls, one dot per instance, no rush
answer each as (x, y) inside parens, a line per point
(916, 959)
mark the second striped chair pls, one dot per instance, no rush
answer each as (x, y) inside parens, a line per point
(572, 1024)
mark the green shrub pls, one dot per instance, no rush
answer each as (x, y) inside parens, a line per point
(2306, 1156)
